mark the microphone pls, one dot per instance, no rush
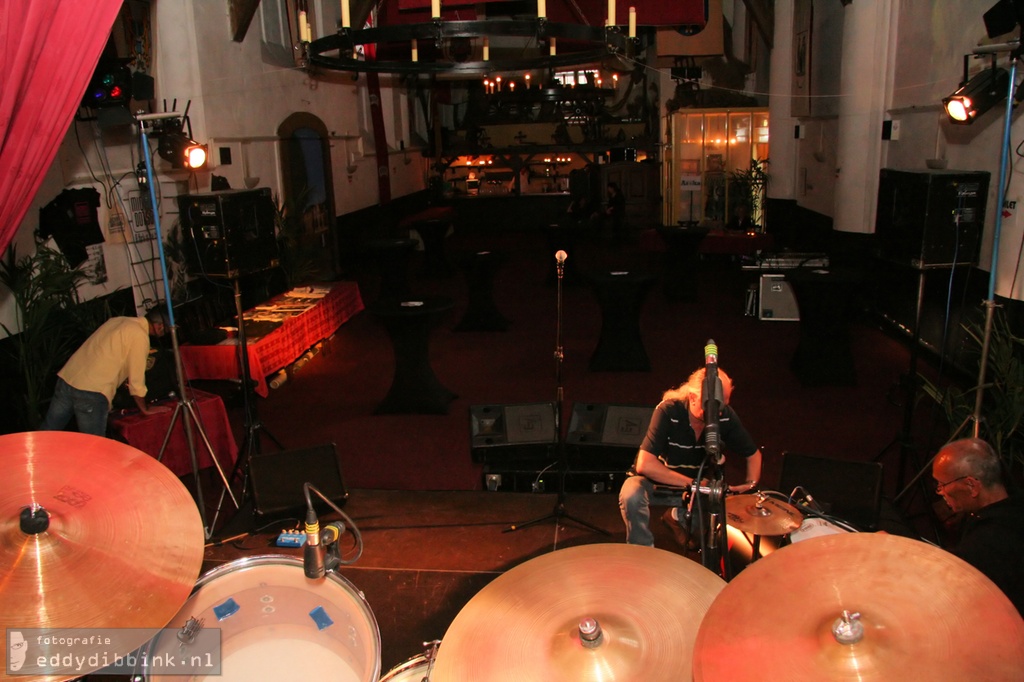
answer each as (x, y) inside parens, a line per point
(313, 552)
(331, 533)
(712, 402)
(560, 256)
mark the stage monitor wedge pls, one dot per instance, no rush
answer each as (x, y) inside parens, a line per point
(278, 479)
(606, 436)
(517, 432)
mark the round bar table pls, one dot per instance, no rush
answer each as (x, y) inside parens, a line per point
(415, 388)
(482, 314)
(621, 294)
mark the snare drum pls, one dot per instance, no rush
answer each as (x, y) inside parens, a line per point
(277, 624)
(416, 669)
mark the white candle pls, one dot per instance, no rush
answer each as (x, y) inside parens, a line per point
(415, 50)
(346, 15)
(632, 22)
(611, 12)
(542, 9)
(302, 27)
(497, 79)
(527, 78)
(435, 8)
(552, 47)
(487, 48)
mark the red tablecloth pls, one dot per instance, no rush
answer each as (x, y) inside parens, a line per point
(147, 433)
(736, 243)
(297, 333)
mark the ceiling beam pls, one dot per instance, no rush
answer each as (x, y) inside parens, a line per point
(241, 13)
(764, 18)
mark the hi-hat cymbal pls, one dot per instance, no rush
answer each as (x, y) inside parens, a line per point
(860, 606)
(93, 534)
(761, 515)
(639, 607)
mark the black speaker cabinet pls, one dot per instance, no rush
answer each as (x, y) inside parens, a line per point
(229, 233)
(606, 436)
(503, 433)
(278, 479)
(931, 219)
(848, 490)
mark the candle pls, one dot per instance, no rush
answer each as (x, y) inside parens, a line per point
(511, 86)
(415, 50)
(497, 79)
(487, 48)
(527, 78)
(435, 8)
(632, 22)
(346, 15)
(542, 9)
(552, 47)
(302, 26)
(611, 12)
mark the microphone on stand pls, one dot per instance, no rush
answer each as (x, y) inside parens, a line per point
(712, 402)
(560, 257)
(313, 552)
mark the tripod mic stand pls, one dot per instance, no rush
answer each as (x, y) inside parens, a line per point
(559, 511)
(185, 407)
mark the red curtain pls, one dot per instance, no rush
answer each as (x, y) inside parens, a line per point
(48, 52)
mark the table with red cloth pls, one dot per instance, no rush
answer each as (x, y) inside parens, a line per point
(147, 433)
(736, 243)
(278, 332)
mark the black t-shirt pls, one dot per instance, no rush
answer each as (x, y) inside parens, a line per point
(71, 219)
(672, 440)
(992, 541)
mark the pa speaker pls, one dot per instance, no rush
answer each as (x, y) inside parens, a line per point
(848, 490)
(229, 233)
(278, 479)
(607, 436)
(512, 432)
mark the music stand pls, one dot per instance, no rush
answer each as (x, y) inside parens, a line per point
(559, 512)
(185, 407)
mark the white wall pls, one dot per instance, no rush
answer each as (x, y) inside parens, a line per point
(237, 101)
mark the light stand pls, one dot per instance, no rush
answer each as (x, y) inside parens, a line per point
(989, 302)
(559, 511)
(186, 403)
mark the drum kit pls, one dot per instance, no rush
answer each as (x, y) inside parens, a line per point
(95, 534)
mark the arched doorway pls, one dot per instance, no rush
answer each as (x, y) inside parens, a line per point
(310, 247)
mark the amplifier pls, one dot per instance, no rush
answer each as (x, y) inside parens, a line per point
(777, 301)
(522, 480)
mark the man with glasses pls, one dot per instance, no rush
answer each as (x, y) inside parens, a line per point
(969, 478)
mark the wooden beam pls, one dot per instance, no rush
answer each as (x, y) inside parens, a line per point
(241, 13)
(761, 12)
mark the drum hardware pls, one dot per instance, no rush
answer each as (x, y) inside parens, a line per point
(188, 632)
(860, 606)
(416, 669)
(591, 612)
(74, 505)
(760, 514)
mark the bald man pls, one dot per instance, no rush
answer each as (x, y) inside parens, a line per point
(968, 476)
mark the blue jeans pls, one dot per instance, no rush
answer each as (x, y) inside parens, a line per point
(88, 408)
(635, 505)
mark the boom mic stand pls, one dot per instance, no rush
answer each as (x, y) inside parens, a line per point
(710, 499)
(185, 407)
(559, 511)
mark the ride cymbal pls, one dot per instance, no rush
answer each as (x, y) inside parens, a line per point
(761, 515)
(860, 606)
(596, 612)
(93, 534)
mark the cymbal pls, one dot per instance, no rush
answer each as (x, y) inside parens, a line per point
(639, 606)
(761, 515)
(860, 606)
(93, 534)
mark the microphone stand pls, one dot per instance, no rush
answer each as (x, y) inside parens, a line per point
(711, 498)
(559, 511)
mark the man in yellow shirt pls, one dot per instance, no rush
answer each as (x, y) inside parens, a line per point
(117, 351)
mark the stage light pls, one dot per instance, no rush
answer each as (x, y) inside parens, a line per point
(977, 96)
(110, 85)
(182, 151)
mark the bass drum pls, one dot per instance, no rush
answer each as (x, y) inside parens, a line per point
(275, 624)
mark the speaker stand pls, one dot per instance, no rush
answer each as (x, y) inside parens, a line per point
(251, 444)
